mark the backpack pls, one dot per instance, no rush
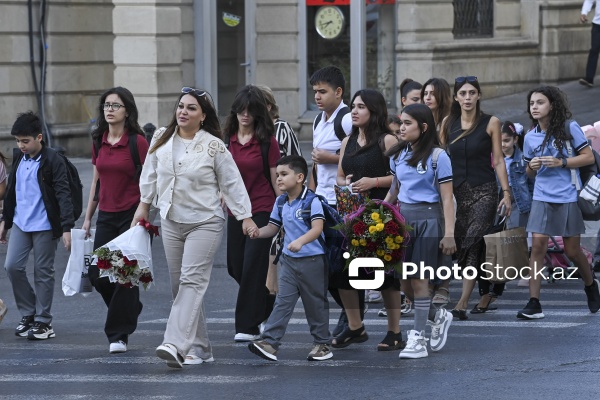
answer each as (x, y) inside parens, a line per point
(337, 122)
(334, 242)
(135, 156)
(589, 211)
(75, 186)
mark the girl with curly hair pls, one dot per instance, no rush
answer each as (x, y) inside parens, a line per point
(554, 149)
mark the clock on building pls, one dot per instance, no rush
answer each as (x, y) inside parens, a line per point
(329, 22)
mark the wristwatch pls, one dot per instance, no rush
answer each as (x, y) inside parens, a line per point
(564, 163)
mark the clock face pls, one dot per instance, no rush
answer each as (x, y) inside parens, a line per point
(329, 22)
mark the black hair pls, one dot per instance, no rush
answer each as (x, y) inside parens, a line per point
(330, 75)
(407, 86)
(559, 114)
(131, 120)
(27, 124)
(443, 96)
(394, 119)
(456, 111)
(509, 128)
(428, 139)
(252, 98)
(378, 125)
(210, 124)
(295, 163)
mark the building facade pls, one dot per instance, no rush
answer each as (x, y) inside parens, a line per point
(77, 49)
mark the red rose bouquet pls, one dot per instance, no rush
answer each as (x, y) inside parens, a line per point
(127, 260)
(377, 229)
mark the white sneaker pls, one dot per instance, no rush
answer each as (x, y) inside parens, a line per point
(169, 353)
(245, 337)
(192, 359)
(118, 347)
(439, 329)
(416, 345)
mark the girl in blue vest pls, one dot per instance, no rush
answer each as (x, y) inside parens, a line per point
(419, 186)
(554, 210)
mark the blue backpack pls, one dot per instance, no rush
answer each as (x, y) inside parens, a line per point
(334, 242)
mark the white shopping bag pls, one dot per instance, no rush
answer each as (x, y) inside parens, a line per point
(76, 278)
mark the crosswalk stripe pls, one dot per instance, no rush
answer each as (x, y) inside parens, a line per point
(112, 378)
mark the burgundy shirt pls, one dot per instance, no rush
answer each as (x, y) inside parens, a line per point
(249, 162)
(119, 188)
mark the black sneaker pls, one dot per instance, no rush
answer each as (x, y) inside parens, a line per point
(40, 331)
(533, 310)
(593, 296)
(24, 326)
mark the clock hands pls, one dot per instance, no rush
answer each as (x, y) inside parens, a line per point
(325, 24)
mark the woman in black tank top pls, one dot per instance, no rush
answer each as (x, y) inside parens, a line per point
(475, 145)
(363, 164)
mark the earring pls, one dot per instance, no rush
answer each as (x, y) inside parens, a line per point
(201, 123)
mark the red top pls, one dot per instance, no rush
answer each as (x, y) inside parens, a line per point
(249, 162)
(119, 188)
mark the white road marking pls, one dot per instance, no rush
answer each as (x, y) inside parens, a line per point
(121, 378)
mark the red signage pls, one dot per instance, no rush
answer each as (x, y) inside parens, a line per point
(344, 2)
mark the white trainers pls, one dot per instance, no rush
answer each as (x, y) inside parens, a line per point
(416, 345)
(439, 329)
(192, 359)
(168, 352)
(245, 337)
(118, 347)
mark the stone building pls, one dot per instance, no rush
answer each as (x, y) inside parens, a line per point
(154, 47)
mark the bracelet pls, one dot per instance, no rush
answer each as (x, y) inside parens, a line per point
(377, 180)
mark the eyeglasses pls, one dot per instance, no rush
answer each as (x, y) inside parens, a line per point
(462, 79)
(197, 92)
(113, 106)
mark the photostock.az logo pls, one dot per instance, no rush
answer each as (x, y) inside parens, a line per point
(367, 262)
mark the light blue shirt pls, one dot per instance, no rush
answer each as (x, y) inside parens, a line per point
(30, 211)
(418, 184)
(292, 221)
(553, 185)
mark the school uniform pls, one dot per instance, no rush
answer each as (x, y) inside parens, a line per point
(419, 198)
(302, 274)
(554, 210)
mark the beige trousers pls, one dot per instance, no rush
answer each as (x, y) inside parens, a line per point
(190, 249)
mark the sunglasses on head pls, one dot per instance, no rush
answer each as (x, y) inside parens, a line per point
(462, 79)
(197, 92)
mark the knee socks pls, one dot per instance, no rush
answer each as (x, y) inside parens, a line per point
(421, 313)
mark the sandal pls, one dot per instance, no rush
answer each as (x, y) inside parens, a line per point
(349, 336)
(391, 341)
(460, 314)
(481, 310)
(439, 298)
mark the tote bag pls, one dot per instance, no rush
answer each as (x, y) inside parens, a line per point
(506, 255)
(76, 278)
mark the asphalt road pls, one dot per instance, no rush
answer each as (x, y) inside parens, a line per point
(492, 355)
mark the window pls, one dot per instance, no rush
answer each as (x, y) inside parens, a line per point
(473, 18)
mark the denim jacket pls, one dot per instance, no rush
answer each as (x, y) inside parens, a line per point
(521, 184)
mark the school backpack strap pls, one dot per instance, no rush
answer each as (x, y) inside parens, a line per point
(264, 152)
(574, 180)
(435, 155)
(135, 155)
(337, 122)
(280, 201)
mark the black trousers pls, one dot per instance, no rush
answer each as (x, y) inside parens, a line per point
(123, 303)
(247, 263)
(592, 61)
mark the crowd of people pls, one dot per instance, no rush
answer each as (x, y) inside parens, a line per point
(448, 166)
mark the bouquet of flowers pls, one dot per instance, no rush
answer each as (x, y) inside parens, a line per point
(127, 259)
(376, 229)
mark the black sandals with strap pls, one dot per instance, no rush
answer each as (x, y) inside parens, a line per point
(349, 336)
(391, 341)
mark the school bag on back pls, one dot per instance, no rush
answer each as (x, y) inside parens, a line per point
(334, 242)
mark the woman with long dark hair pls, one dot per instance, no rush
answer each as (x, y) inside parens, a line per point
(472, 137)
(189, 168)
(363, 164)
(115, 172)
(250, 133)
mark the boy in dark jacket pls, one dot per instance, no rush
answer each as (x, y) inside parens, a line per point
(38, 207)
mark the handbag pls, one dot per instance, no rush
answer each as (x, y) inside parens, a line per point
(506, 253)
(75, 279)
(347, 201)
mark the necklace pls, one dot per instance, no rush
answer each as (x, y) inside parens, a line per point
(185, 143)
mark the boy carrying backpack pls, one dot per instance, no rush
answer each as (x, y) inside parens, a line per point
(303, 271)
(38, 206)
